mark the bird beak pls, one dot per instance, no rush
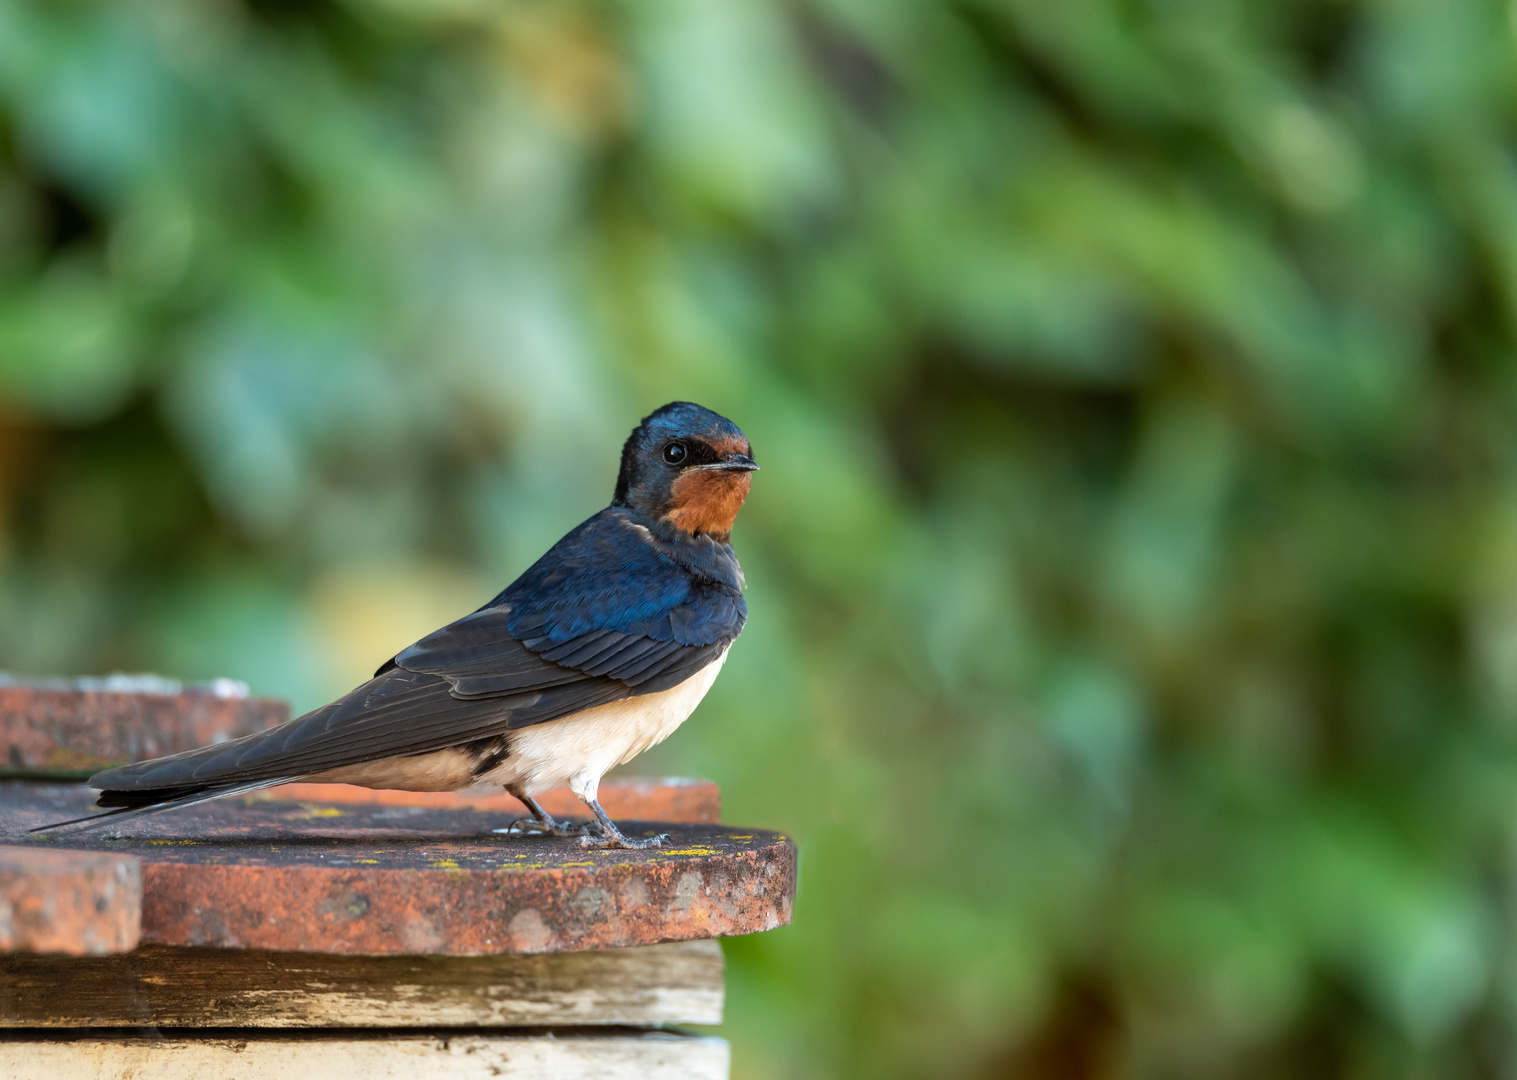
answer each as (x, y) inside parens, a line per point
(733, 463)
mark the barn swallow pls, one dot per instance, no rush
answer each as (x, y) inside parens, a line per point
(599, 651)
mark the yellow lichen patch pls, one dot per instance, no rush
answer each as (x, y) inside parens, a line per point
(178, 843)
(692, 851)
(569, 864)
(320, 811)
(367, 862)
(444, 864)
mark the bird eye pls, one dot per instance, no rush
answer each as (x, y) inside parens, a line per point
(675, 453)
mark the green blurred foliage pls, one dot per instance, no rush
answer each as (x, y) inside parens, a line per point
(1133, 569)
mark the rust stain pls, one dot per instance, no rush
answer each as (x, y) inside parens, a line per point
(642, 800)
(53, 731)
(79, 903)
(366, 910)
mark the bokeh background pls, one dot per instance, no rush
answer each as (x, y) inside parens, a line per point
(1133, 568)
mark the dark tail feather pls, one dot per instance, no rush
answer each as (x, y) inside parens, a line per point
(78, 820)
(132, 804)
(134, 798)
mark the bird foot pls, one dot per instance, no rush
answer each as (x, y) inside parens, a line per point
(530, 826)
(617, 840)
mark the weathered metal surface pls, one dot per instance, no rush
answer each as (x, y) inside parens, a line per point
(54, 729)
(176, 987)
(669, 799)
(610, 1055)
(81, 903)
(382, 880)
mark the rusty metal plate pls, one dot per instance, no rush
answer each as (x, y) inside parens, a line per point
(380, 880)
(667, 799)
(59, 729)
(78, 903)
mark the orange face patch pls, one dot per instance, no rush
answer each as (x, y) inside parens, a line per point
(706, 501)
(731, 444)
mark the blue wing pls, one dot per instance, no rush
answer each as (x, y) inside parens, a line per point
(607, 602)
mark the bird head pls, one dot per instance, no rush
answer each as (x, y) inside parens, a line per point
(686, 467)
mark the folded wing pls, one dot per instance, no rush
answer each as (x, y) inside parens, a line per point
(590, 637)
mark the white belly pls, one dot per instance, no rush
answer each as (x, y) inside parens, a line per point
(578, 750)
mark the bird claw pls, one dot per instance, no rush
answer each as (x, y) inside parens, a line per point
(530, 826)
(619, 841)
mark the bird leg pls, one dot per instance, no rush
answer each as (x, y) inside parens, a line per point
(611, 837)
(541, 822)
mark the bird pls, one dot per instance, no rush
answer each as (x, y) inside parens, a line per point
(598, 651)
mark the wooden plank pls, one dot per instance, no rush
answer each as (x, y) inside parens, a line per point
(607, 1056)
(413, 881)
(71, 728)
(666, 799)
(679, 983)
(82, 903)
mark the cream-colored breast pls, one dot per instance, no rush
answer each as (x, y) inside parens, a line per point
(578, 750)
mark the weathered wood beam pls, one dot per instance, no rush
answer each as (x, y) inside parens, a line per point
(254, 1056)
(160, 986)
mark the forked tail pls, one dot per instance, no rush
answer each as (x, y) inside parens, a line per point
(134, 804)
